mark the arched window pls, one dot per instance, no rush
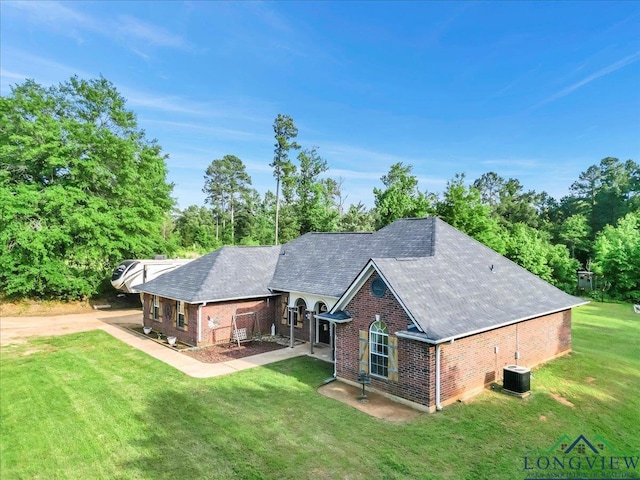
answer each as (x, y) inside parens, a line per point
(296, 314)
(379, 349)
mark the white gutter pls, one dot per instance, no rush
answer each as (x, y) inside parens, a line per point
(421, 337)
(438, 405)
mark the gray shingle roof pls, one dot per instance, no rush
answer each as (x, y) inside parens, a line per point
(466, 287)
(227, 273)
(326, 263)
(321, 263)
(450, 284)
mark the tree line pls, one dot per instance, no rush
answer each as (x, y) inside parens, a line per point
(81, 188)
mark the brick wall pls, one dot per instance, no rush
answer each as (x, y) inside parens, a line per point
(470, 363)
(264, 309)
(467, 365)
(415, 359)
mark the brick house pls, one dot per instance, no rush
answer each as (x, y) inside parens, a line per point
(200, 301)
(429, 313)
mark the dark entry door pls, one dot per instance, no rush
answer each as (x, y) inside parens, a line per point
(324, 332)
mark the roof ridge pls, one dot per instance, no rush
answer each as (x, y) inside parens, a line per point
(338, 233)
(433, 226)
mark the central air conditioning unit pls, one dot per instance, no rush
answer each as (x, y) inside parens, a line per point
(516, 379)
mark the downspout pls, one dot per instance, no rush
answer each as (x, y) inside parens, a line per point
(438, 404)
(200, 322)
(334, 338)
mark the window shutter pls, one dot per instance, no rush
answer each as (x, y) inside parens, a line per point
(175, 317)
(285, 310)
(393, 359)
(185, 307)
(364, 351)
(150, 298)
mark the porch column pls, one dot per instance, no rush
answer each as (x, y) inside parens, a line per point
(312, 321)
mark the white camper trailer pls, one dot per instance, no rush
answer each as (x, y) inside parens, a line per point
(135, 272)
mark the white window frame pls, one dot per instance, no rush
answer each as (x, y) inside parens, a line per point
(379, 349)
(155, 308)
(180, 318)
(296, 313)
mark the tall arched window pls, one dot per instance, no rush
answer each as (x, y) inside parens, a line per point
(379, 349)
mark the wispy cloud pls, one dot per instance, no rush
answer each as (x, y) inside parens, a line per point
(52, 13)
(353, 174)
(588, 79)
(164, 103)
(125, 29)
(44, 70)
(150, 34)
(513, 162)
(7, 78)
(355, 153)
(8, 75)
(211, 130)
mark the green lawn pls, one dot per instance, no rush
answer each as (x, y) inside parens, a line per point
(88, 406)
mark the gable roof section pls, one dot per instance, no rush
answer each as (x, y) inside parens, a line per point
(226, 274)
(326, 263)
(462, 288)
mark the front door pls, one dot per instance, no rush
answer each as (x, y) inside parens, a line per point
(324, 332)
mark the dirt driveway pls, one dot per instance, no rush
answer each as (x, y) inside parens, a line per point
(16, 329)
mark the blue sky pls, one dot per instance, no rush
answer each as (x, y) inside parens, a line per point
(537, 91)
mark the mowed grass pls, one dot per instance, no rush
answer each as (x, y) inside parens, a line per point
(87, 406)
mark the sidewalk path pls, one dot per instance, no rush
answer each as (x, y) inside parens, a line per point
(16, 329)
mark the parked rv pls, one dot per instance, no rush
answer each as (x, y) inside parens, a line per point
(131, 273)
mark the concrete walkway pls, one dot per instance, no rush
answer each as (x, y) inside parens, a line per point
(115, 323)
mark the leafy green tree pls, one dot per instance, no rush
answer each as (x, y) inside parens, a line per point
(604, 193)
(401, 198)
(285, 134)
(617, 257)
(80, 188)
(563, 267)
(256, 218)
(516, 205)
(575, 233)
(226, 183)
(612, 201)
(357, 219)
(489, 185)
(526, 247)
(314, 204)
(196, 229)
(506, 199)
(587, 186)
(462, 208)
(549, 212)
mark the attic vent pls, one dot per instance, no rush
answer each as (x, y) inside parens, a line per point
(378, 287)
